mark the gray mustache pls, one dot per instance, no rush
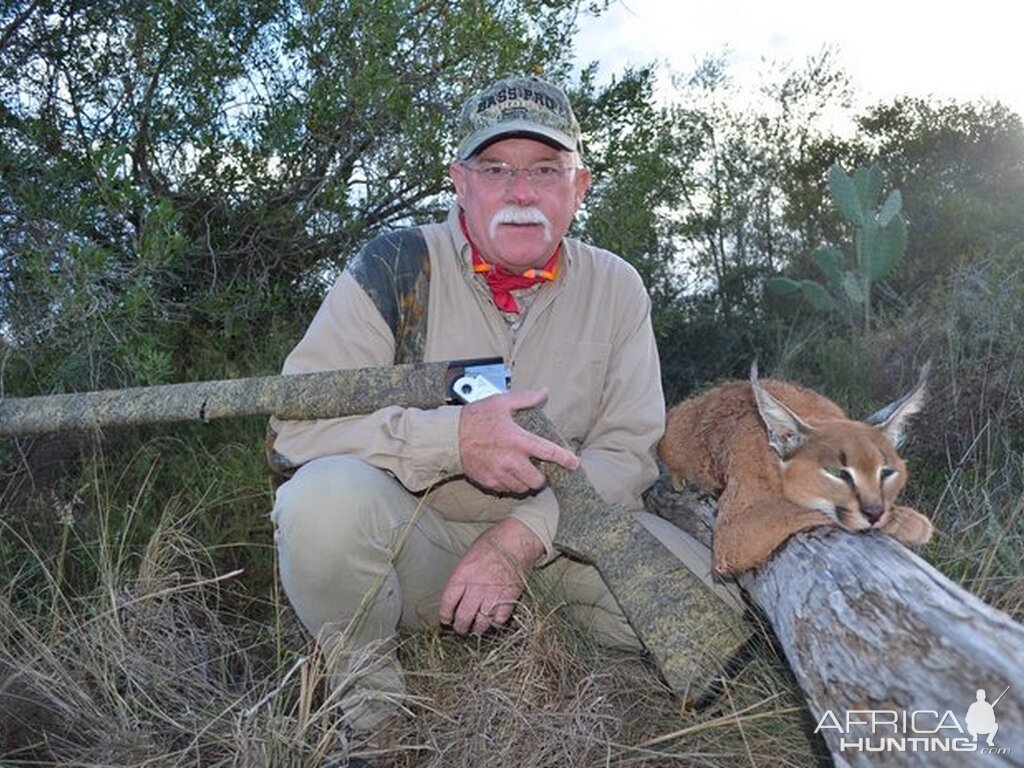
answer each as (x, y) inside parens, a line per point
(516, 215)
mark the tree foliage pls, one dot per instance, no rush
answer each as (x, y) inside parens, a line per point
(961, 169)
(639, 161)
(733, 224)
(176, 178)
(180, 178)
(695, 189)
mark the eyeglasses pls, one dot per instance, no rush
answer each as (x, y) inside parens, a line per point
(499, 175)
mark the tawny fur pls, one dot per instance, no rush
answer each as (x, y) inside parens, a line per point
(718, 440)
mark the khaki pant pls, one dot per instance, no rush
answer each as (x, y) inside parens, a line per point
(346, 551)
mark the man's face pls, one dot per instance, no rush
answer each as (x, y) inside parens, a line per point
(505, 217)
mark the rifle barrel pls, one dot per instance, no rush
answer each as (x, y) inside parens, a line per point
(1000, 696)
(300, 396)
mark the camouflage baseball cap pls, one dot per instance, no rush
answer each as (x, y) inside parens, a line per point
(518, 106)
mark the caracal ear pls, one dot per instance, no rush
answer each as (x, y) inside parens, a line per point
(786, 431)
(892, 419)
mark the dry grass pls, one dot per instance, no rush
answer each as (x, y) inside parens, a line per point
(544, 693)
(980, 533)
(150, 667)
(150, 664)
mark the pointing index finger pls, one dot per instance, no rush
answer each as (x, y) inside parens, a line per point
(546, 450)
(564, 458)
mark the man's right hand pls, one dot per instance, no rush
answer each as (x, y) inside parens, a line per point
(496, 451)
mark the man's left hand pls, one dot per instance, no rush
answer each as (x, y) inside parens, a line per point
(483, 589)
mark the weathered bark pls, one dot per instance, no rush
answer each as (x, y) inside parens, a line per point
(868, 626)
(684, 626)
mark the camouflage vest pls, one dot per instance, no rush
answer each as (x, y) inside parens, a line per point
(394, 270)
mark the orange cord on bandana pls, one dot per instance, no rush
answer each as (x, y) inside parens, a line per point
(502, 282)
(483, 267)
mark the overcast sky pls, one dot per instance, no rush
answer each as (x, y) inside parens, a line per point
(888, 47)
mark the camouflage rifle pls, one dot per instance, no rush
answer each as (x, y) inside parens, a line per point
(680, 621)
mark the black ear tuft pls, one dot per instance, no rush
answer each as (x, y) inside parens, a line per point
(892, 419)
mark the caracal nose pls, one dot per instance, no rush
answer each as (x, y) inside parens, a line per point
(873, 511)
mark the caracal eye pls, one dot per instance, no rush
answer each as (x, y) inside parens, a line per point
(839, 473)
(887, 472)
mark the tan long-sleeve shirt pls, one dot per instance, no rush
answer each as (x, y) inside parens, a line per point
(586, 336)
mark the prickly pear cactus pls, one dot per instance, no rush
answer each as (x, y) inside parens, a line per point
(880, 241)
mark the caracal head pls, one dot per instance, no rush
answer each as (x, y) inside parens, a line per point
(849, 470)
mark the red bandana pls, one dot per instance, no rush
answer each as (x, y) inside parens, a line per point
(502, 282)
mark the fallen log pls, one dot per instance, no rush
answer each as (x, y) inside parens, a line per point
(889, 653)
